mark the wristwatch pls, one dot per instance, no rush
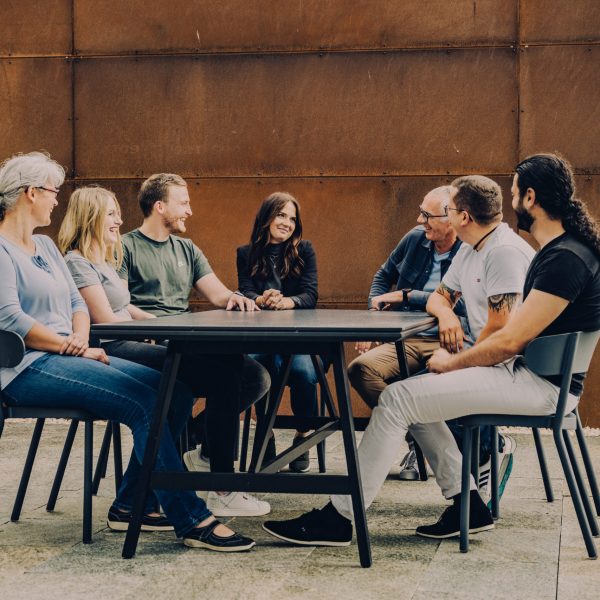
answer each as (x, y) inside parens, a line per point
(405, 292)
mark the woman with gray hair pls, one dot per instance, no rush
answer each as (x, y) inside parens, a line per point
(40, 302)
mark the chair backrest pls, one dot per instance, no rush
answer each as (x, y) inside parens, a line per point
(546, 355)
(12, 349)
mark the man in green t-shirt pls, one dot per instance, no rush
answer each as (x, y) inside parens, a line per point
(161, 269)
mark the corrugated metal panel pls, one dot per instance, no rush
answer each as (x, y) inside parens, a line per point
(30, 27)
(560, 103)
(560, 21)
(116, 27)
(35, 107)
(422, 112)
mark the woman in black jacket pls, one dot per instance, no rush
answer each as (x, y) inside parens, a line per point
(278, 270)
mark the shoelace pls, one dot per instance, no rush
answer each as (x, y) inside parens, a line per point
(409, 460)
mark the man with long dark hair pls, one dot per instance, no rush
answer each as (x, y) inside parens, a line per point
(561, 294)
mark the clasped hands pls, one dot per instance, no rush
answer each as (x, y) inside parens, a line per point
(451, 342)
(78, 345)
(274, 300)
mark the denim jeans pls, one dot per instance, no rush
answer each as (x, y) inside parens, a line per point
(125, 392)
(302, 381)
(230, 384)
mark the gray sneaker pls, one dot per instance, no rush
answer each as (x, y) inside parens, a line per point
(409, 470)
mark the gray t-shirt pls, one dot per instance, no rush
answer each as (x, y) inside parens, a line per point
(498, 268)
(161, 275)
(35, 289)
(86, 273)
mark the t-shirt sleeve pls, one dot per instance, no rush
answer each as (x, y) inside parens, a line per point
(82, 271)
(12, 316)
(201, 264)
(562, 274)
(451, 279)
(123, 271)
(505, 271)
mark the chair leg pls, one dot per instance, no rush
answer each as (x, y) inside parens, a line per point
(420, 462)
(117, 454)
(102, 458)
(475, 454)
(495, 496)
(33, 446)
(465, 498)
(62, 465)
(579, 510)
(321, 445)
(543, 466)
(87, 481)
(585, 500)
(245, 440)
(587, 463)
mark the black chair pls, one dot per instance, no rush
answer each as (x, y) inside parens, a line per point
(325, 408)
(551, 355)
(12, 350)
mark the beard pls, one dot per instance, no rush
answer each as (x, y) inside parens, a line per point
(524, 219)
(174, 226)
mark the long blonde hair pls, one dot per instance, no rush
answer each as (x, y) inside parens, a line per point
(84, 224)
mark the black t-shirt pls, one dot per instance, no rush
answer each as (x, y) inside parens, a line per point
(568, 268)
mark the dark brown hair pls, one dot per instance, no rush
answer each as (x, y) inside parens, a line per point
(551, 178)
(480, 196)
(155, 189)
(259, 240)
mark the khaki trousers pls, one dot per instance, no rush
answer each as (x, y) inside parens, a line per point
(373, 371)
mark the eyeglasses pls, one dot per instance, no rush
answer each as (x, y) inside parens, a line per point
(48, 190)
(40, 262)
(426, 215)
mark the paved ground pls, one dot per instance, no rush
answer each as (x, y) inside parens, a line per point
(536, 550)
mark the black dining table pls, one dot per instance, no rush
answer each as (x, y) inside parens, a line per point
(317, 332)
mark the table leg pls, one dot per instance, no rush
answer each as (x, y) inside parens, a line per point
(161, 409)
(347, 422)
(264, 433)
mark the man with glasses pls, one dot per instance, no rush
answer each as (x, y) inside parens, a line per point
(415, 269)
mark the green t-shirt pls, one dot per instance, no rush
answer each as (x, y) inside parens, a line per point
(161, 275)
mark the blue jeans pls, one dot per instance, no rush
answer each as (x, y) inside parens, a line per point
(302, 381)
(125, 392)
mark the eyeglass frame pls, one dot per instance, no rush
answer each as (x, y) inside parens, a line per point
(428, 216)
(39, 187)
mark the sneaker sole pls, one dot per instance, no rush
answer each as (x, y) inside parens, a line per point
(296, 470)
(120, 526)
(190, 466)
(227, 512)
(455, 533)
(191, 543)
(303, 543)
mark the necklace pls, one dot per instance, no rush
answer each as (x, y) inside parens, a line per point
(486, 235)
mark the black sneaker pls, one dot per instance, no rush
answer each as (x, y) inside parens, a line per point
(205, 537)
(119, 521)
(325, 527)
(448, 525)
(302, 463)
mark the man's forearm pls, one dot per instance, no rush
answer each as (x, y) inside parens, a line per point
(495, 349)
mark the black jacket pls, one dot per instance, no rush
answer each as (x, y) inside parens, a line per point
(303, 290)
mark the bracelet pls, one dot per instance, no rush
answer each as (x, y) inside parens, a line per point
(238, 293)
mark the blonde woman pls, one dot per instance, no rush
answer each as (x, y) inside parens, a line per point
(90, 239)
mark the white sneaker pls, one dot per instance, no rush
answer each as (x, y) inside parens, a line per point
(194, 461)
(237, 504)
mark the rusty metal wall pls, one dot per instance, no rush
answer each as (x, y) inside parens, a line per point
(358, 107)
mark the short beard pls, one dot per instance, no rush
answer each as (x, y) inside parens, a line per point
(524, 219)
(173, 226)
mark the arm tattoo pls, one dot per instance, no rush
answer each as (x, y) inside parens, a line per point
(448, 293)
(502, 302)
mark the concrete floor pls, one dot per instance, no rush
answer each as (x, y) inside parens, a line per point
(535, 552)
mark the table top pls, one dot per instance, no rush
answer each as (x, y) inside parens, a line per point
(322, 324)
